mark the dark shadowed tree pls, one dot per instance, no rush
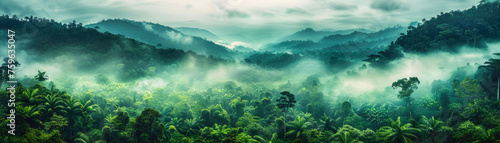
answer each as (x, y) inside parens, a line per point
(147, 127)
(287, 100)
(494, 66)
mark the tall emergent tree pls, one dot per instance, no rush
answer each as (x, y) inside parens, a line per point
(41, 76)
(287, 100)
(494, 66)
(407, 87)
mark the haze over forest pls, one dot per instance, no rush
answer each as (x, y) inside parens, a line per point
(252, 71)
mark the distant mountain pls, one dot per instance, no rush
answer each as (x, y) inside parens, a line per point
(198, 32)
(161, 36)
(243, 49)
(347, 31)
(311, 34)
(361, 40)
(393, 32)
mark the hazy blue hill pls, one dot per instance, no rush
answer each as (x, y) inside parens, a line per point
(391, 33)
(338, 38)
(347, 31)
(311, 34)
(243, 49)
(306, 34)
(354, 40)
(198, 32)
(161, 36)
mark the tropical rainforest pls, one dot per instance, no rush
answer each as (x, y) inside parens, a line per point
(434, 80)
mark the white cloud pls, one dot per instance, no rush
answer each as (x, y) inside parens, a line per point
(178, 37)
(233, 44)
(148, 27)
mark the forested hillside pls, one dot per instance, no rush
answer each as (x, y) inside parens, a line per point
(161, 36)
(92, 51)
(449, 31)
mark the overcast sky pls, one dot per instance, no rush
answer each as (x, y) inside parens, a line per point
(243, 20)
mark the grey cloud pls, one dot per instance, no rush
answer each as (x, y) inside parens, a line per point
(229, 10)
(86, 12)
(267, 14)
(66, 11)
(389, 5)
(297, 11)
(12, 7)
(342, 6)
(237, 14)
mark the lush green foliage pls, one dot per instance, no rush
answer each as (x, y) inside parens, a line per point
(249, 105)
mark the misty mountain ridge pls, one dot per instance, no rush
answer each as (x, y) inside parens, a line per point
(243, 49)
(392, 32)
(351, 41)
(198, 33)
(311, 34)
(161, 36)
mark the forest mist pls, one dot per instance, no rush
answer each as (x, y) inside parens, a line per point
(130, 80)
(354, 81)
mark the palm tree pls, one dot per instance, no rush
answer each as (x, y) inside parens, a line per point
(88, 107)
(435, 126)
(53, 104)
(72, 111)
(41, 76)
(30, 114)
(219, 131)
(327, 123)
(299, 127)
(113, 101)
(345, 137)
(95, 138)
(398, 133)
(28, 96)
(87, 122)
(192, 124)
(494, 66)
(176, 122)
